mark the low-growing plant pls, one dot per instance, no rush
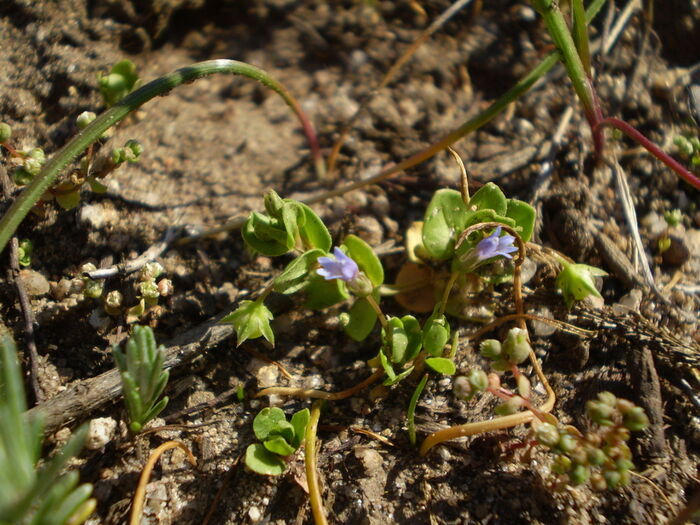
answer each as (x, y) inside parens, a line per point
(143, 377)
(34, 490)
(278, 437)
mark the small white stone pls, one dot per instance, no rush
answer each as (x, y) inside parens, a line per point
(100, 432)
(254, 514)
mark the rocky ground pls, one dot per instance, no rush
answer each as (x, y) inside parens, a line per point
(212, 148)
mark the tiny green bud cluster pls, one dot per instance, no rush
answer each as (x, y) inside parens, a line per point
(91, 288)
(601, 457)
(31, 165)
(5, 132)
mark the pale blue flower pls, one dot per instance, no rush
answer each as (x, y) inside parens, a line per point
(341, 267)
(495, 245)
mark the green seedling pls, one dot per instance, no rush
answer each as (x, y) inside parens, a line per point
(34, 491)
(279, 439)
(143, 377)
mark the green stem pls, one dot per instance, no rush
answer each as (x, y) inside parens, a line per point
(161, 86)
(310, 464)
(559, 31)
(581, 35)
(410, 414)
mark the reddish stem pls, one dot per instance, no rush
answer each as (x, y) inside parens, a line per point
(652, 148)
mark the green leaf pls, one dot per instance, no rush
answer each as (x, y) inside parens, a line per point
(267, 422)
(264, 235)
(69, 200)
(279, 445)
(96, 185)
(399, 377)
(524, 216)
(489, 197)
(273, 204)
(251, 320)
(395, 335)
(436, 332)
(296, 274)
(299, 422)
(386, 365)
(292, 219)
(368, 262)
(415, 337)
(314, 233)
(260, 460)
(442, 365)
(322, 294)
(444, 221)
(361, 319)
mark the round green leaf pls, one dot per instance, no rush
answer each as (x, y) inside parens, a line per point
(260, 460)
(279, 446)
(489, 197)
(299, 422)
(322, 294)
(314, 233)
(362, 253)
(267, 422)
(296, 274)
(444, 220)
(441, 365)
(361, 319)
(524, 216)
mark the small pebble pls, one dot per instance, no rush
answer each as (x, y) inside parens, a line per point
(34, 283)
(100, 432)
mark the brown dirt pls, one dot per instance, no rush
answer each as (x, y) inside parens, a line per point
(212, 148)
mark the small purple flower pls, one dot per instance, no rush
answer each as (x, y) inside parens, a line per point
(341, 267)
(495, 245)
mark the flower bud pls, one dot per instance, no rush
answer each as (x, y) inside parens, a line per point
(113, 302)
(478, 380)
(636, 419)
(511, 406)
(600, 412)
(561, 465)
(21, 176)
(151, 271)
(567, 443)
(165, 287)
(524, 386)
(624, 464)
(579, 475)
(612, 478)
(598, 481)
(86, 268)
(516, 347)
(132, 150)
(117, 156)
(149, 290)
(93, 289)
(5, 132)
(37, 154)
(360, 286)
(624, 406)
(547, 434)
(84, 119)
(576, 282)
(490, 349)
(32, 165)
(462, 388)
(596, 456)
